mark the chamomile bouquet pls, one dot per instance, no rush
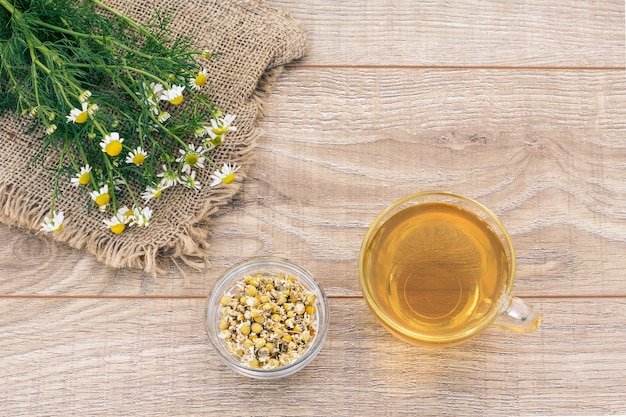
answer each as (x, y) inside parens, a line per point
(125, 105)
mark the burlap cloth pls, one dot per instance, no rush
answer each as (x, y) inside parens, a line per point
(256, 42)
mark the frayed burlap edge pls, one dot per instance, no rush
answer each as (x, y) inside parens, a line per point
(187, 242)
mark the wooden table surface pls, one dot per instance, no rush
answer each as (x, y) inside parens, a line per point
(520, 104)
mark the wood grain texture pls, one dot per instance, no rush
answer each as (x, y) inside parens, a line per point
(519, 104)
(150, 357)
(543, 149)
(462, 32)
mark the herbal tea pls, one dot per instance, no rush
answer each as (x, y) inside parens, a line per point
(435, 270)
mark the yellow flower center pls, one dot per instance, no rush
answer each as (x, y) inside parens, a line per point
(129, 213)
(59, 228)
(191, 159)
(113, 148)
(216, 141)
(157, 194)
(84, 178)
(220, 130)
(177, 100)
(200, 79)
(228, 178)
(82, 118)
(118, 228)
(138, 159)
(102, 199)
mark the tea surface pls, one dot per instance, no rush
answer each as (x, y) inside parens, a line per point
(435, 270)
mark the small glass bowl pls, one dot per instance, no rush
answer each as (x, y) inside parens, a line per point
(265, 265)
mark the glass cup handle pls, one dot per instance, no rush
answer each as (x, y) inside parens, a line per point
(519, 317)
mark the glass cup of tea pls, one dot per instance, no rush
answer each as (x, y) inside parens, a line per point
(437, 268)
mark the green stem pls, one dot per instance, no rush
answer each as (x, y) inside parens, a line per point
(168, 132)
(98, 39)
(10, 8)
(118, 67)
(83, 156)
(111, 181)
(34, 43)
(33, 72)
(59, 169)
(131, 193)
(126, 19)
(98, 126)
(62, 91)
(21, 97)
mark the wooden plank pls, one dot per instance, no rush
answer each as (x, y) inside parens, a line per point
(327, 105)
(340, 145)
(522, 105)
(462, 32)
(151, 357)
(522, 142)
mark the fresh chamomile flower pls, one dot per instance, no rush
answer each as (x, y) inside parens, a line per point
(84, 96)
(83, 177)
(219, 128)
(201, 131)
(51, 129)
(190, 181)
(53, 223)
(169, 178)
(223, 125)
(174, 95)
(163, 116)
(141, 217)
(79, 115)
(213, 142)
(156, 89)
(125, 214)
(225, 175)
(116, 224)
(200, 80)
(112, 144)
(207, 54)
(101, 197)
(152, 192)
(152, 92)
(191, 158)
(137, 156)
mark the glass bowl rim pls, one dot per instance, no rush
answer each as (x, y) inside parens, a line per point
(235, 274)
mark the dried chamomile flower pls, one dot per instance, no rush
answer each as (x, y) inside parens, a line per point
(268, 321)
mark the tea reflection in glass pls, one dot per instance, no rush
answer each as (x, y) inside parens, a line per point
(435, 272)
